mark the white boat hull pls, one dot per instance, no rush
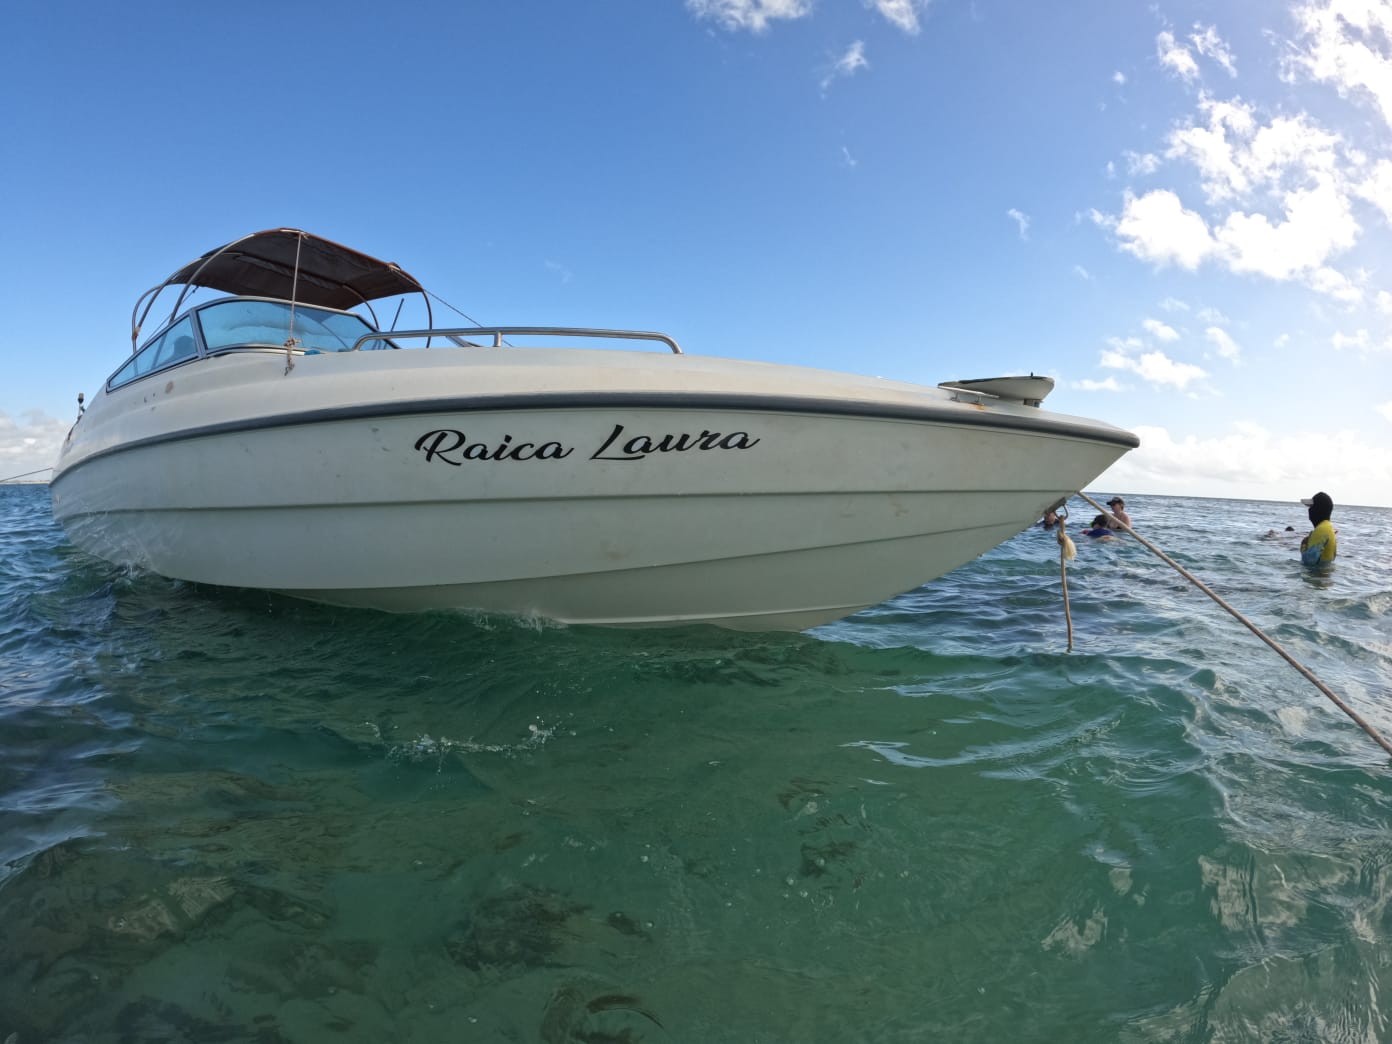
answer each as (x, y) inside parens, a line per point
(637, 490)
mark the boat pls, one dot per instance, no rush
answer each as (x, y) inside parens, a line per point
(279, 435)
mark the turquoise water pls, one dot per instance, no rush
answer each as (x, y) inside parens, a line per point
(229, 816)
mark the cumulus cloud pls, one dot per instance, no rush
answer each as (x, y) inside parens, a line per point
(1335, 284)
(1386, 410)
(753, 15)
(1155, 367)
(1357, 340)
(1119, 78)
(1021, 219)
(902, 13)
(1344, 43)
(1157, 227)
(1207, 42)
(1108, 385)
(1160, 331)
(1288, 171)
(1259, 463)
(1376, 188)
(1223, 342)
(1175, 56)
(1141, 163)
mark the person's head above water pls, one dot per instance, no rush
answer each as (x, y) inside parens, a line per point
(1321, 507)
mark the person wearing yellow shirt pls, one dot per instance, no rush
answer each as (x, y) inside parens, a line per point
(1323, 542)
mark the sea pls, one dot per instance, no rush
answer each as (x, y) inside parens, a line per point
(231, 816)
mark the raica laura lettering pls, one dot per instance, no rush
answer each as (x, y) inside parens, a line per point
(454, 447)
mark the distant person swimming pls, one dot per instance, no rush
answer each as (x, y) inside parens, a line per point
(1320, 547)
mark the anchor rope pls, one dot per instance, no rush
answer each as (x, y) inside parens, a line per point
(1309, 675)
(26, 474)
(1067, 550)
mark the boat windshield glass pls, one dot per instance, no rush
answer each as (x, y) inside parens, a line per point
(239, 322)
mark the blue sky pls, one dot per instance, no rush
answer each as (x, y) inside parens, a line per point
(1179, 210)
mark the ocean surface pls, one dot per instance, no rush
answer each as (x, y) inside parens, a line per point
(230, 816)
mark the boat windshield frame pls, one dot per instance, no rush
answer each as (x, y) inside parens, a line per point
(286, 264)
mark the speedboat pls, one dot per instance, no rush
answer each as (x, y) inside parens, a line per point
(278, 435)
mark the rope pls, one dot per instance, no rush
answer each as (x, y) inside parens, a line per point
(26, 474)
(1309, 675)
(1067, 550)
(290, 342)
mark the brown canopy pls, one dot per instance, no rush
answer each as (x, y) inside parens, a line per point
(264, 264)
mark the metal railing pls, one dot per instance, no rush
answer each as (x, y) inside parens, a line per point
(458, 335)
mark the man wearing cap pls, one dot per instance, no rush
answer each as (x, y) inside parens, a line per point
(1118, 507)
(1323, 543)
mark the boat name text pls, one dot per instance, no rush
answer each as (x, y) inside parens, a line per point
(453, 446)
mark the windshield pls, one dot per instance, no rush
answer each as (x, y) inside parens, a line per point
(239, 322)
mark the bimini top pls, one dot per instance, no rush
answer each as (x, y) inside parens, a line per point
(294, 265)
(288, 264)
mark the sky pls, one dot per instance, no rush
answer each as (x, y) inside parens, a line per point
(1181, 211)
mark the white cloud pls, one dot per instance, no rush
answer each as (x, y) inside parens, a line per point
(1222, 340)
(1289, 176)
(1250, 461)
(29, 443)
(1385, 409)
(903, 13)
(1160, 331)
(1362, 342)
(1358, 339)
(1318, 224)
(847, 65)
(560, 270)
(1174, 304)
(1376, 188)
(1119, 78)
(1384, 302)
(1346, 44)
(1020, 219)
(1212, 315)
(847, 158)
(1335, 284)
(1207, 42)
(754, 15)
(1156, 227)
(1109, 385)
(1155, 367)
(1082, 273)
(1141, 163)
(1176, 57)
(1235, 155)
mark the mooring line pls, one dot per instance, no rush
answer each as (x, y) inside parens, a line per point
(1309, 675)
(26, 474)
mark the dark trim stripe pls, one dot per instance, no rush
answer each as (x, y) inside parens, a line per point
(1045, 423)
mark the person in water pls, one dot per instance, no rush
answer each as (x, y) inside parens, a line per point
(1098, 528)
(1118, 507)
(1050, 519)
(1322, 544)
